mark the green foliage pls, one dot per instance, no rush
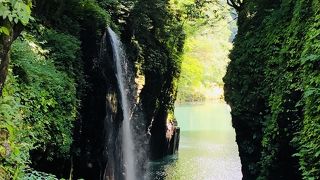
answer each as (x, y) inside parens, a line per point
(50, 106)
(38, 108)
(90, 9)
(47, 73)
(36, 175)
(73, 16)
(64, 49)
(4, 30)
(14, 146)
(14, 12)
(309, 139)
(206, 55)
(273, 87)
(159, 34)
(156, 35)
(190, 80)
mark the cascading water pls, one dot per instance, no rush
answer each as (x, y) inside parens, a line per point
(127, 138)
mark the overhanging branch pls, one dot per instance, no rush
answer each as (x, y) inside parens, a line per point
(236, 4)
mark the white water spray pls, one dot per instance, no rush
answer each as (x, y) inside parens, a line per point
(127, 139)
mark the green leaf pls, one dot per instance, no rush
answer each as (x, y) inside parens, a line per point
(3, 9)
(310, 92)
(5, 30)
(310, 58)
(10, 17)
(16, 20)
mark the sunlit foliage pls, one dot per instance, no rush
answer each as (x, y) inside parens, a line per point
(206, 52)
(13, 12)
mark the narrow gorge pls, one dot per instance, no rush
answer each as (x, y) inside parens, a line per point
(159, 89)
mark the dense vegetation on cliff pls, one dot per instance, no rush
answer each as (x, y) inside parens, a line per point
(52, 72)
(272, 85)
(60, 113)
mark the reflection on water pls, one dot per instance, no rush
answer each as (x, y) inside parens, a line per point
(207, 146)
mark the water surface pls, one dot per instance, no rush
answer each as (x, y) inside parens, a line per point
(208, 150)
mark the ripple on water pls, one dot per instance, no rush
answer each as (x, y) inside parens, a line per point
(204, 154)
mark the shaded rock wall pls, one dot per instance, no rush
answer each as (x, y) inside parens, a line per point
(98, 148)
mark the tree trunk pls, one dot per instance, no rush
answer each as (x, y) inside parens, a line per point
(4, 60)
(5, 44)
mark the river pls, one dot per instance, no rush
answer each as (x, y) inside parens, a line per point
(208, 150)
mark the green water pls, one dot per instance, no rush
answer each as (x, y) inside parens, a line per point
(207, 146)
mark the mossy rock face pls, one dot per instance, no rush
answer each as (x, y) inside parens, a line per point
(272, 86)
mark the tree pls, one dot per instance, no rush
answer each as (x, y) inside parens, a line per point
(236, 4)
(15, 15)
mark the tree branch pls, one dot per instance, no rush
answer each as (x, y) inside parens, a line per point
(236, 4)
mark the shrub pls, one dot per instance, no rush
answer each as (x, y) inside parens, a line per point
(37, 109)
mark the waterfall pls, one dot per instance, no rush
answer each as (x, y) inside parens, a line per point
(127, 138)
